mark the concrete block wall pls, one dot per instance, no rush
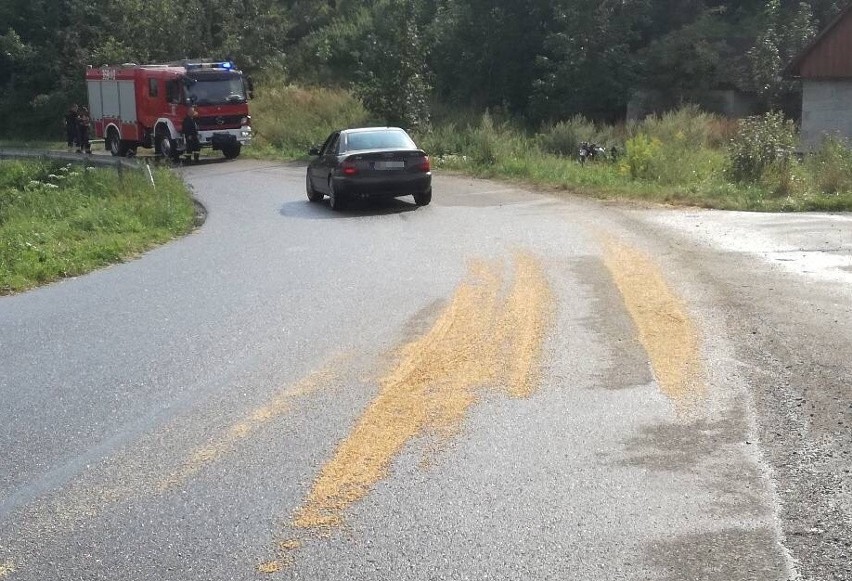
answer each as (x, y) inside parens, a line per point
(826, 110)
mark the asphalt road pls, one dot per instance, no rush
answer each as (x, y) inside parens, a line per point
(502, 385)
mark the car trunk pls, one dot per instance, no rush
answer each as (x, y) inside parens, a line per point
(375, 164)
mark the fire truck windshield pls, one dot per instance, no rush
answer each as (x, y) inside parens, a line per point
(216, 91)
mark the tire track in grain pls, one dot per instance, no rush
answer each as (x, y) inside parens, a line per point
(663, 324)
(485, 337)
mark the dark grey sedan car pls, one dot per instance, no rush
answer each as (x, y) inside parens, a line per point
(369, 162)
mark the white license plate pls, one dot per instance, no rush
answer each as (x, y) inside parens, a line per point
(389, 165)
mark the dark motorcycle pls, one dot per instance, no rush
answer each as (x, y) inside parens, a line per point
(591, 152)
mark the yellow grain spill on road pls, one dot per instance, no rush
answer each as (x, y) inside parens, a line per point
(528, 311)
(226, 441)
(289, 545)
(665, 329)
(436, 381)
(134, 475)
(269, 567)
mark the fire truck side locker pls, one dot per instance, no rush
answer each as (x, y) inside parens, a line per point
(112, 103)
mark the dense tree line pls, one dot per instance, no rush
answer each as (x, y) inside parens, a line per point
(536, 59)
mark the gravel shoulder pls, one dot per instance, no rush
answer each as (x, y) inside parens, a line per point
(784, 285)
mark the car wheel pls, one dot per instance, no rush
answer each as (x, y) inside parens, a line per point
(424, 198)
(313, 195)
(335, 200)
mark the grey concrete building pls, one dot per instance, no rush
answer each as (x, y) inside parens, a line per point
(825, 70)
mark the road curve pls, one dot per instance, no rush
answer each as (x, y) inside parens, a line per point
(503, 384)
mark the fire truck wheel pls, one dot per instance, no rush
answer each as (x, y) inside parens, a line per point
(232, 151)
(168, 149)
(115, 145)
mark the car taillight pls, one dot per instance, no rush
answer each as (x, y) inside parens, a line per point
(349, 168)
(424, 164)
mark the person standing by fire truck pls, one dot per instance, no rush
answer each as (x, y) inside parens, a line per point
(83, 127)
(190, 133)
(71, 130)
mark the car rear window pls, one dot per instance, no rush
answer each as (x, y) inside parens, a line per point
(378, 140)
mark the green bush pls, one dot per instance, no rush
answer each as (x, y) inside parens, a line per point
(785, 178)
(485, 142)
(291, 119)
(831, 166)
(762, 142)
(564, 137)
(444, 140)
(484, 145)
(639, 156)
(688, 126)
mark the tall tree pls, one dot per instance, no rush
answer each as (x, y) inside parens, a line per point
(689, 59)
(392, 80)
(484, 51)
(782, 37)
(539, 59)
(587, 64)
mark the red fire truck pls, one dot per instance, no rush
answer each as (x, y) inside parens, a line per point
(144, 105)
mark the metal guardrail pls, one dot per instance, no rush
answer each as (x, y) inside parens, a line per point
(75, 158)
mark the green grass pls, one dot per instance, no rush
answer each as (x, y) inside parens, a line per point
(679, 159)
(32, 144)
(66, 220)
(607, 180)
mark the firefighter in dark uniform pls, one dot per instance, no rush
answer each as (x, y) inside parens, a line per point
(71, 129)
(83, 122)
(190, 133)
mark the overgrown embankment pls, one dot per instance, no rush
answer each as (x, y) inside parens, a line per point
(686, 157)
(288, 119)
(59, 220)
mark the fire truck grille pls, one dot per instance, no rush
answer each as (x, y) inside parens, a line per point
(219, 122)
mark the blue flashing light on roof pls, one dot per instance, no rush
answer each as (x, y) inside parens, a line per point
(226, 65)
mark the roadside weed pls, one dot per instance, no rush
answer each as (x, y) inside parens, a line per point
(65, 220)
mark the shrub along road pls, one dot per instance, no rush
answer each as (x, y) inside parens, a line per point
(499, 385)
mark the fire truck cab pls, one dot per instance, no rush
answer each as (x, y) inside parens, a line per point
(144, 105)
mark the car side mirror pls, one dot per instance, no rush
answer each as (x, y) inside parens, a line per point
(314, 151)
